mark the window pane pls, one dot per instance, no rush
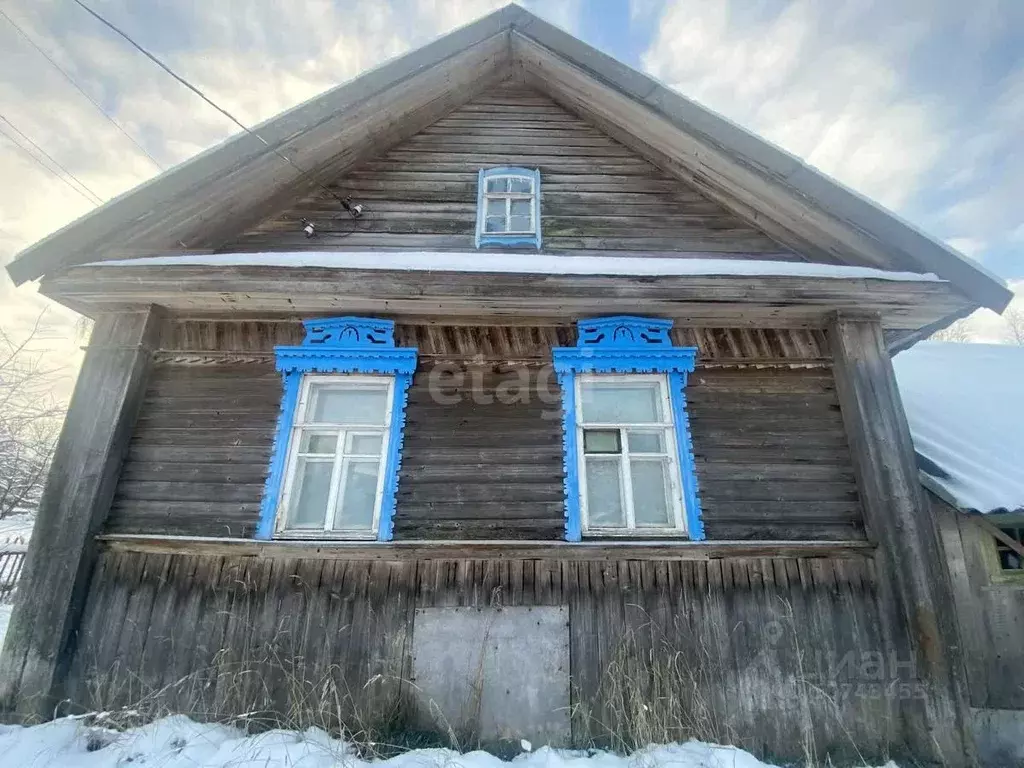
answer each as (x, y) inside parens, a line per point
(1010, 561)
(601, 441)
(349, 405)
(608, 402)
(494, 224)
(646, 442)
(651, 507)
(356, 508)
(318, 442)
(367, 445)
(309, 494)
(604, 502)
(521, 207)
(497, 185)
(520, 184)
(520, 224)
(496, 207)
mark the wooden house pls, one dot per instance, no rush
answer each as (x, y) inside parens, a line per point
(499, 392)
(965, 409)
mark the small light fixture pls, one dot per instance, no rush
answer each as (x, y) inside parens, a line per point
(356, 209)
(309, 228)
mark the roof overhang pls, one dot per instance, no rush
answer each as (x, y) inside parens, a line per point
(252, 291)
(233, 185)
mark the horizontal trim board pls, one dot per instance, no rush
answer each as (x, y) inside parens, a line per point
(487, 550)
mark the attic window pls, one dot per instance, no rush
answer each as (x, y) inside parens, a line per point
(508, 207)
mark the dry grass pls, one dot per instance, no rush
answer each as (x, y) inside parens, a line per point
(651, 692)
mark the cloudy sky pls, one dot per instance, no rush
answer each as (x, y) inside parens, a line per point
(918, 104)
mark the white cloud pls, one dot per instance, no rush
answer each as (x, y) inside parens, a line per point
(791, 78)
(255, 64)
(969, 246)
(914, 105)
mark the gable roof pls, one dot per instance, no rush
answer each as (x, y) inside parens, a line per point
(966, 415)
(197, 204)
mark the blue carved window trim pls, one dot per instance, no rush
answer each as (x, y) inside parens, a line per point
(510, 239)
(340, 345)
(625, 344)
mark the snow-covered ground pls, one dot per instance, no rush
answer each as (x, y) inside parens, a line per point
(16, 528)
(5, 618)
(177, 742)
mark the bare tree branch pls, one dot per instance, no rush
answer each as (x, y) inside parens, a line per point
(1014, 318)
(30, 420)
(960, 331)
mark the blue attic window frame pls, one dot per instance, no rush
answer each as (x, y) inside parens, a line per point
(340, 345)
(529, 237)
(625, 344)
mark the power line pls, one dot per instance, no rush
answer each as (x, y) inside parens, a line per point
(41, 164)
(204, 97)
(95, 198)
(79, 88)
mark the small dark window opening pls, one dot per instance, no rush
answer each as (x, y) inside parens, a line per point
(1008, 559)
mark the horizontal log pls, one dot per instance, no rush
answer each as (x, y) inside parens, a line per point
(755, 512)
(237, 454)
(726, 471)
(476, 496)
(701, 396)
(256, 418)
(207, 510)
(439, 471)
(166, 490)
(818, 531)
(245, 438)
(486, 550)
(703, 439)
(483, 510)
(753, 454)
(455, 439)
(529, 530)
(461, 455)
(196, 472)
(724, 492)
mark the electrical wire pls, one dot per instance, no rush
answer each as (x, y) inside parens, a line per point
(88, 194)
(79, 88)
(166, 68)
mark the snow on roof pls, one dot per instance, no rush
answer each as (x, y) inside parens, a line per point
(965, 405)
(525, 263)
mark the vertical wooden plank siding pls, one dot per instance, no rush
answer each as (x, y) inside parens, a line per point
(73, 509)
(916, 586)
(989, 610)
(741, 651)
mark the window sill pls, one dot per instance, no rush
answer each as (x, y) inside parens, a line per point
(673, 549)
(339, 537)
(635, 534)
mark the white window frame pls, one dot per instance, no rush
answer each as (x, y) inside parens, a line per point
(667, 425)
(508, 197)
(299, 426)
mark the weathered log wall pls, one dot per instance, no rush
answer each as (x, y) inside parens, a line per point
(482, 455)
(777, 655)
